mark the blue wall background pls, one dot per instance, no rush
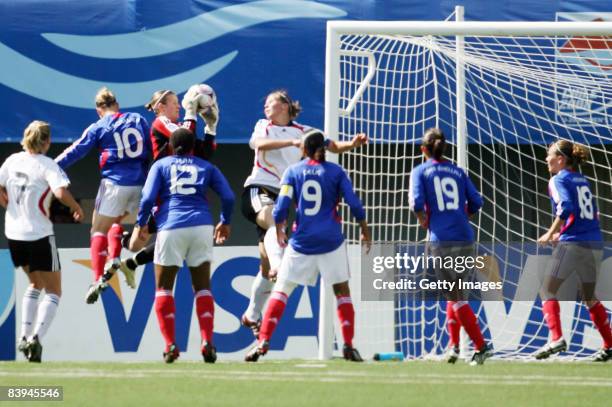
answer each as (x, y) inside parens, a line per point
(55, 55)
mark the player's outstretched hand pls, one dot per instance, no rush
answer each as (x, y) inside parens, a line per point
(359, 140)
(211, 118)
(190, 103)
(545, 238)
(366, 239)
(77, 213)
(222, 233)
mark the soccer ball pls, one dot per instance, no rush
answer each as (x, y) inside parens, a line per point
(205, 97)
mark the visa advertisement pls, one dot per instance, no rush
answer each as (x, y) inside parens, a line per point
(56, 58)
(122, 325)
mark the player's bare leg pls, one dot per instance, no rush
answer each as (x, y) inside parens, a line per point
(205, 309)
(166, 309)
(346, 315)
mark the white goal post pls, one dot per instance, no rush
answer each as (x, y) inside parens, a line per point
(501, 91)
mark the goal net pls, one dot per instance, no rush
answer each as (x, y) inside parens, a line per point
(511, 89)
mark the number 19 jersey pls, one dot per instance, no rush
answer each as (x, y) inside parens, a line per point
(573, 202)
(447, 195)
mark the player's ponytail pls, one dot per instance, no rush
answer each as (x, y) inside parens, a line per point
(434, 142)
(35, 136)
(105, 98)
(182, 141)
(159, 98)
(575, 154)
(314, 144)
(294, 105)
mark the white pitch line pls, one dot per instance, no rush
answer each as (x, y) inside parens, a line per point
(331, 376)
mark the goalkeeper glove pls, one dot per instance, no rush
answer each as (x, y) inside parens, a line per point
(190, 103)
(211, 117)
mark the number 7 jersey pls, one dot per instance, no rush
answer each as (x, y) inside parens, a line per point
(447, 195)
(573, 202)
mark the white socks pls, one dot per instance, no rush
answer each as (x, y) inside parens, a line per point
(260, 291)
(29, 305)
(46, 312)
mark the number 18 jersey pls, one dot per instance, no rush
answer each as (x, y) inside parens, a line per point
(447, 195)
(573, 202)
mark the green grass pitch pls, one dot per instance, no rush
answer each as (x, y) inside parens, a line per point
(314, 383)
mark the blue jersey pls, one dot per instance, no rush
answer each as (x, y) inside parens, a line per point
(573, 202)
(178, 185)
(316, 187)
(447, 195)
(124, 145)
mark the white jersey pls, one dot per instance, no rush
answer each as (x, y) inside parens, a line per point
(29, 180)
(270, 165)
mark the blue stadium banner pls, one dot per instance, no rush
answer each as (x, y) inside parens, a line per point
(56, 55)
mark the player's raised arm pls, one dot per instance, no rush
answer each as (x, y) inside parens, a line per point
(339, 147)
(78, 149)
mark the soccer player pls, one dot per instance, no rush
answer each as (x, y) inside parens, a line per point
(578, 245)
(124, 147)
(276, 141)
(165, 105)
(178, 184)
(443, 196)
(317, 246)
(25, 181)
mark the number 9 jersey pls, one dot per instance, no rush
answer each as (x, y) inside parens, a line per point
(448, 196)
(124, 145)
(573, 202)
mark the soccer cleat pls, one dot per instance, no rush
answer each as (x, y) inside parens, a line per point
(254, 325)
(551, 348)
(209, 352)
(94, 291)
(481, 355)
(452, 354)
(351, 354)
(34, 350)
(171, 354)
(257, 351)
(603, 355)
(22, 346)
(128, 273)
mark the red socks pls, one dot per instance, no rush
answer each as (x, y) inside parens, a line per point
(114, 240)
(599, 316)
(468, 321)
(165, 309)
(552, 315)
(274, 312)
(452, 324)
(98, 246)
(205, 307)
(346, 315)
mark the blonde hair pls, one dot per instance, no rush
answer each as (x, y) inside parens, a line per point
(35, 136)
(294, 105)
(105, 98)
(575, 154)
(159, 97)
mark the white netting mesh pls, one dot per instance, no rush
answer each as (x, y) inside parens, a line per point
(521, 93)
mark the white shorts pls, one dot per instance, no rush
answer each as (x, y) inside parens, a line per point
(116, 200)
(303, 268)
(192, 244)
(570, 257)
